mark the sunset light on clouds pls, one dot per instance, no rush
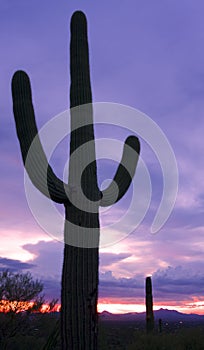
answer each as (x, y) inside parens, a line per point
(146, 55)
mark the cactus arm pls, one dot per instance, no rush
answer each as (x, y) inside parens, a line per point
(124, 174)
(34, 158)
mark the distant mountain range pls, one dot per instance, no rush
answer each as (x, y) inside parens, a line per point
(165, 314)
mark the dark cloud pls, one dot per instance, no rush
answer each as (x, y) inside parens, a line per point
(113, 287)
(14, 265)
(178, 283)
(170, 284)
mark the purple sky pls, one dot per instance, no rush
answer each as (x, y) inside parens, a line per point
(145, 54)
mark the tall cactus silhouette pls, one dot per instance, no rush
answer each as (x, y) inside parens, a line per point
(81, 196)
(149, 306)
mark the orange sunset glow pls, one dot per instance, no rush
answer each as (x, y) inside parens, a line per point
(120, 308)
(106, 305)
(21, 306)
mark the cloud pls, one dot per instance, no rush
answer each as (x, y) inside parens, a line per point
(14, 265)
(112, 287)
(178, 283)
(46, 265)
(107, 259)
(48, 258)
(52, 289)
(174, 283)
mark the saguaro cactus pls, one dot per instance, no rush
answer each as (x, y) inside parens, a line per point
(149, 306)
(81, 196)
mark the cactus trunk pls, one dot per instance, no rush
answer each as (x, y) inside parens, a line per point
(79, 295)
(149, 306)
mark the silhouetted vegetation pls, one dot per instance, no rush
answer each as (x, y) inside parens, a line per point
(36, 333)
(17, 290)
(183, 339)
(20, 297)
(113, 335)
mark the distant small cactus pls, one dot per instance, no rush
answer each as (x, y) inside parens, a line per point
(149, 306)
